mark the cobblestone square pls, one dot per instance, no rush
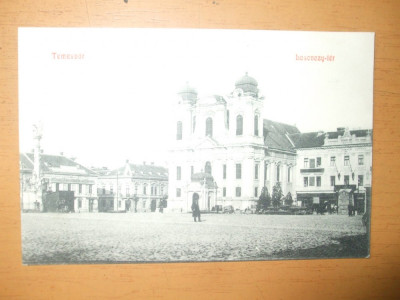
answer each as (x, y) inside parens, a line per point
(128, 237)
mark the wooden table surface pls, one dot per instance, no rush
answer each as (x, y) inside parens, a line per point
(374, 278)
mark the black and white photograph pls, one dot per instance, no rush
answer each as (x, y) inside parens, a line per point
(194, 145)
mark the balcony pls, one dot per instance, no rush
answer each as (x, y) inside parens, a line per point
(312, 170)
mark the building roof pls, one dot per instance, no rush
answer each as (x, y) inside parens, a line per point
(54, 164)
(143, 171)
(317, 139)
(247, 84)
(276, 135)
(188, 93)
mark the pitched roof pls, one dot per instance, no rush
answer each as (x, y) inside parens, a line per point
(316, 139)
(308, 139)
(276, 135)
(142, 172)
(55, 164)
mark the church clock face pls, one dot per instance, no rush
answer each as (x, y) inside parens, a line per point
(238, 92)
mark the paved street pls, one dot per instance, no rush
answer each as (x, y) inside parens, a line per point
(127, 237)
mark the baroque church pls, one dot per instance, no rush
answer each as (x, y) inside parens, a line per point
(226, 152)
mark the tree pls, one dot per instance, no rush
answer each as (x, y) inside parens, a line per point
(289, 199)
(276, 195)
(264, 200)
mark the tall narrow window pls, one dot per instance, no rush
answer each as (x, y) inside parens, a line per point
(239, 125)
(305, 181)
(318, 180)
(333, 179)
(256, 125)
(289, 170)
(346, 180)
(361, 160)
(178, 173)
(227, 119)
(224, 172)
(224, 192)
(238, 192)
(256, 171)
(179, 130)
(318, 162)
(238, 171)
(312, 163)
(306, 163)
(347, 160)
(209, 127)
(194, 123)
(255, 191)
(333, 161)
(191, 170)
(312, 181)
(278, 173)
(360, 180)
(178, 192)
(207, 168)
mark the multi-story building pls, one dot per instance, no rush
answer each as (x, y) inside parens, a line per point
(225, 152)
(330, 162)
(135, 188)
(57, 174)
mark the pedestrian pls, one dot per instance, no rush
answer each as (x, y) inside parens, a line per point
(195, 207)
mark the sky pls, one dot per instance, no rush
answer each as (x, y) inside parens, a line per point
(117, 102)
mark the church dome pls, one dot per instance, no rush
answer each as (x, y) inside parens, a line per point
(247, 84)
(188, 93)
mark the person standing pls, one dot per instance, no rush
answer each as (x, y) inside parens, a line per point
(195, 207)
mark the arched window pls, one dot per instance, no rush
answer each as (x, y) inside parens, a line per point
(256, 125)
(209, 127)
(207, 168)
(179, 130)
(239, 125)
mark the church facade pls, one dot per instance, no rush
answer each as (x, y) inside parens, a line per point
(226, 152)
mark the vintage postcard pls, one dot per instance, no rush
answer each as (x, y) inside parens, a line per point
(178, 145)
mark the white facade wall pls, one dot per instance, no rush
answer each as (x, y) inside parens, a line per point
(360, 164)
(225, 147)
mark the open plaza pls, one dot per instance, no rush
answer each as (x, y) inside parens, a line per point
(173, 237)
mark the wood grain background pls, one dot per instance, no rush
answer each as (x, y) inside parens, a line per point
(374, 278)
